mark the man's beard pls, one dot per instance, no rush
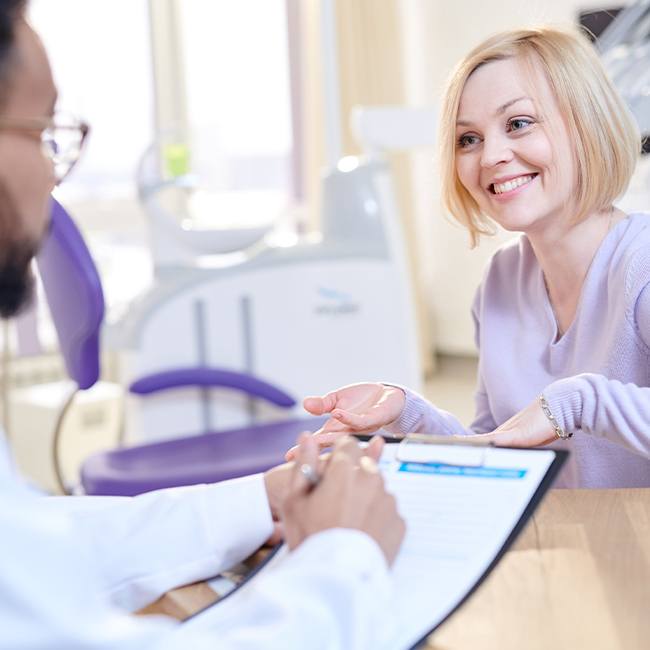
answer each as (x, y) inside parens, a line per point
(16, 278)
(16, 254)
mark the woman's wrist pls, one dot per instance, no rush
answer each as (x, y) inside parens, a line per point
(393, 425)
(564, 398)
(559, 431)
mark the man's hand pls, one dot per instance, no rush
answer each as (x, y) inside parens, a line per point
(350, 494)
(278, 481)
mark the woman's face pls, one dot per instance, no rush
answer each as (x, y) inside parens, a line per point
(521, 173)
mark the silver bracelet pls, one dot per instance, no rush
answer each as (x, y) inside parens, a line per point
(559, 431)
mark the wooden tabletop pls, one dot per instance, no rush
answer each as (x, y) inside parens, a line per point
(578, 577)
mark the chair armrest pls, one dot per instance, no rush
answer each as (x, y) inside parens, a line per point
(211, 378)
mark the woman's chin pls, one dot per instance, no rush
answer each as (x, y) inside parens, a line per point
(514, 222)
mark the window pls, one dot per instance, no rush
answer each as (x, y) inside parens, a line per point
(100, 56)
(238, 97)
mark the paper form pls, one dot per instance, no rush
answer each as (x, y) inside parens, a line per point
(457, 519)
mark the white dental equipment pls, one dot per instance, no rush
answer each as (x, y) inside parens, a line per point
(308, 316)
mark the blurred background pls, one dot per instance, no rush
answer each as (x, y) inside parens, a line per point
(227, 139)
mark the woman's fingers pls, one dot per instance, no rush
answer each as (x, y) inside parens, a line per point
(318, 405)
(339, 424)
(314, 405)
(333, 426)
(361, 422)
(505, 438)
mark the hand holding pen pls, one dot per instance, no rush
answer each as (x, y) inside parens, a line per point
(342, 490)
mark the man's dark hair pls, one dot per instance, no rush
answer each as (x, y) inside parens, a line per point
(10, 10)
(16, 280)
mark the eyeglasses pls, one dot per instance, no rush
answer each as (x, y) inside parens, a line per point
(62, 138)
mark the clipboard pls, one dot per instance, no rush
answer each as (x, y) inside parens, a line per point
(479, 469)
(448, 456)
(447, 468)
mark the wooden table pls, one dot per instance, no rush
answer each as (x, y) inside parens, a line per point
(578, 577)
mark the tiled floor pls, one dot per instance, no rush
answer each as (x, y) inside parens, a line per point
(452, 386)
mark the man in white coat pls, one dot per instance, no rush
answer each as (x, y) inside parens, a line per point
(73, 568)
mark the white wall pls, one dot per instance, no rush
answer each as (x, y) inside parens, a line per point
(436, 35)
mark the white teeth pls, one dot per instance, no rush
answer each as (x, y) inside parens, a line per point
(508, 186)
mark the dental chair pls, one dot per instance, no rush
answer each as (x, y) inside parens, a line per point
(74, 293)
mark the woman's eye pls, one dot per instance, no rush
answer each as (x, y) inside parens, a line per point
(519, 123)
(467, 140)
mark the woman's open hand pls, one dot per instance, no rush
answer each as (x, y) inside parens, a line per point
(357, 408)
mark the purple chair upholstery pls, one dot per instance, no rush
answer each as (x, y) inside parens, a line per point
(74, 293)
(206, 458)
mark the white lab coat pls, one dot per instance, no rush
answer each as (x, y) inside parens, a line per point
(71, 568)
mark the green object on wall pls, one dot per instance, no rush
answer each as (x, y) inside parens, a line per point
(176, 159)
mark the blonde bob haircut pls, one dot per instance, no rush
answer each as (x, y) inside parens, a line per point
(606, 137)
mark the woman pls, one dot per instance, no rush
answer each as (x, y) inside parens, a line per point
(535, 138)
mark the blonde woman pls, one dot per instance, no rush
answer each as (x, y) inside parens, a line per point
(535, 138)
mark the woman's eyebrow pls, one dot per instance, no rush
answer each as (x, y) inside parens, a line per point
(507, 105)
(499, 110)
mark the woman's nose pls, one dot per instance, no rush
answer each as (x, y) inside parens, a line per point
(495, 150)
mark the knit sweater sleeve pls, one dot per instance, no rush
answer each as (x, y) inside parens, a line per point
(609, 408)
(603, 407)
(421, 416)
(642, 316)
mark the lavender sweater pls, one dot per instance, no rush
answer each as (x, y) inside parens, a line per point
(596, 377)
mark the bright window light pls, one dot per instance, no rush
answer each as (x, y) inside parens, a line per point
(101, 59)
(238, 96)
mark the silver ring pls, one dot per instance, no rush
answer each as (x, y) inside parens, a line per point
(310, 474)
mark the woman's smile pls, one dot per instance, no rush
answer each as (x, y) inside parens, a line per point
(504, 189)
